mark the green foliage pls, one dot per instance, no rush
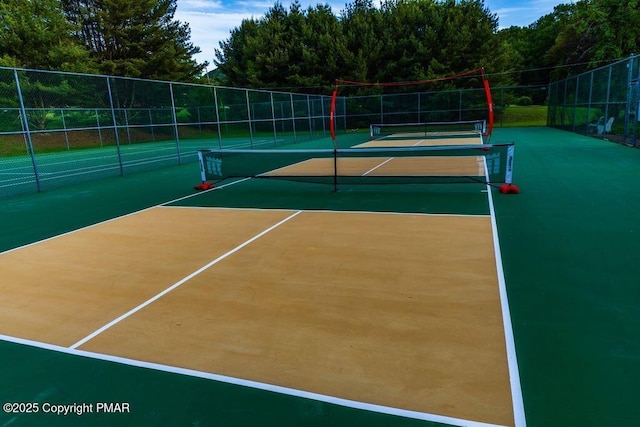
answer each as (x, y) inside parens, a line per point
(36, 34)
(307, 49)
(136, 38)
(401, 40)
(285, 48)
(524, 101)
(517, 116)
(574, 38)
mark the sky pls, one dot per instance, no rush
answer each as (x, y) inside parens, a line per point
(211, 21)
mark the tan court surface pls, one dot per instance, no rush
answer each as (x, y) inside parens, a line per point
(396, 310)
(417, 142)
(61, 290)
(386, 166)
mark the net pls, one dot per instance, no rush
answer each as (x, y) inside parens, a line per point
(472, 80)
(429, 130)
(492, 164)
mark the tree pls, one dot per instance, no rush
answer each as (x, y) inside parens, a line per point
(234, 58)
(361, 24)
(136, 38)
(325, 53)
(589, 33)
(35, 34)
(402, 40)
(285, 49)
(467, 37)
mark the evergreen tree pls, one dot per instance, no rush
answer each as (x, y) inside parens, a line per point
(35, 34)
(136, 38)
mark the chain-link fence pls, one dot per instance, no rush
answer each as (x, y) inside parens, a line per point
(514, 105)
(61, 128)
(602, 103)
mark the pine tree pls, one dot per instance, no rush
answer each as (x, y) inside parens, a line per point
(136, 38)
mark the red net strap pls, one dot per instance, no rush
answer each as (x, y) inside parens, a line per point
(487, 92)
(332, 114)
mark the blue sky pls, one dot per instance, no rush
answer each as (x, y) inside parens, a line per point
(211, 21)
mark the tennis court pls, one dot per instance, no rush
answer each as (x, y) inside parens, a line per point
(285, 303)
(271, 302)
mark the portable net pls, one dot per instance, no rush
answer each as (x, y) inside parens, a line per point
(475, 78)
(487, 163)
(429, 130)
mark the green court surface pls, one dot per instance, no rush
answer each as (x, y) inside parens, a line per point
(569, 245)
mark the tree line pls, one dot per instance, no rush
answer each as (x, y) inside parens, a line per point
(305, 50)
(133, 38)
(404, 40)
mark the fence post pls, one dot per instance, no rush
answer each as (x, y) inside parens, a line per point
(636, 100)
(627, 114)
(550, 121)
(574, 119)
(249, 117)
(25, 127)
(273, 117)
(215, 99)
(310, 118)
(126, 125)
(606, 106)
(115, 126)
(99, 130)
(324, 128)
(64, 126)
(174, 116)
(293, 119)
(153, 134)
(344, 113)
(590, 98)
(564, 105)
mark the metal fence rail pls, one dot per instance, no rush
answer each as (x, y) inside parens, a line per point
(435, 106)
(62, 128)
(58, 128)
(602, 102)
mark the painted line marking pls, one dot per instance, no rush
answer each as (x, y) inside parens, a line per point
(119, 217)
(253, 384)
(181, 282)
(512, 359)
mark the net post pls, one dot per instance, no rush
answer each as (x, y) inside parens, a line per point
(332, 115)
(509, 171)
(335, 170)
(203, 173)
(487, 92)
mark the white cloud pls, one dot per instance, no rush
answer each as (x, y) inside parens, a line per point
(522, 13)
(199, 5)
(209, 29)
(255, 5)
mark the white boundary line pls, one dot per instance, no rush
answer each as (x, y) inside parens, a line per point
(119, 217)
(284, 168)
(376, 167)
(511, 355)
(388, 160)
(180, 282)
(329, 211)
(512, 359)
(252, 384)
